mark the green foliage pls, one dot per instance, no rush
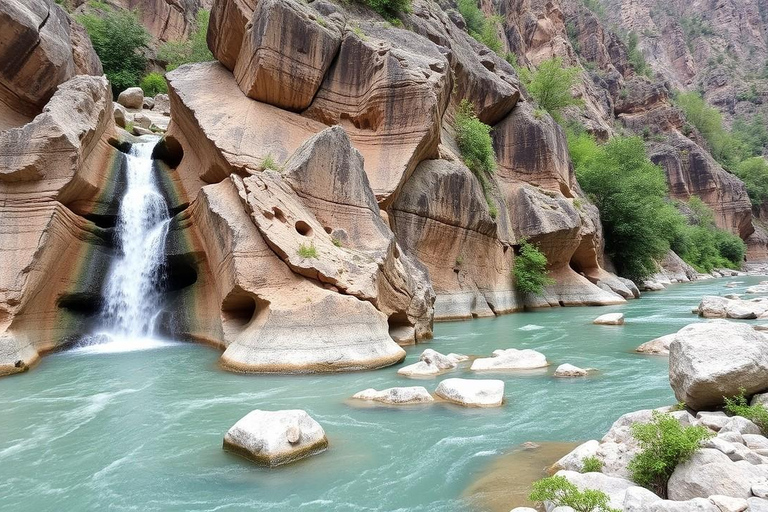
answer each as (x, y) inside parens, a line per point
(153, 83)
(119, 40)
(753, 135)
(693, 27)
(664, 444)
(482, 28)
(738, 406)
(596, 7)
(591, 465)
(530, 270)
(194, 49)
(336, 242)
(269, 162)
(725, 148)
(703, 245)
(562, 493)
(754, 173)
(307, 251)
(389, 9)
(550, 85)
(474, 140)
(630, 192)
(635, 56)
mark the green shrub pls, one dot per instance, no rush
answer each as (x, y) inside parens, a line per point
(738, 406)
(269, 162)
(591, 465)
(754, 173)
(530, 270)
(194, 49)
(664, 444)
(307, 251)
(550, 85)
(336, 242)
(562, 493)
(630, 192)
(153, 83)
(725, 148)
(474, 140)
(119, 40)
(389, 9)
(635, 56)
(482, 28)
(701, 244)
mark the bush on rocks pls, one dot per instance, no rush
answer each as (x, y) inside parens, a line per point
(739, 406)
(665, 443)
(474, 140)
(591, 465)
(153, 84)
(530, 269)
(561, 493)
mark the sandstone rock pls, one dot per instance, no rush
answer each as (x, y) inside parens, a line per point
(272, 438)
(121, 115)
(707, 473)
(133, 97)
(138, 130)
(148, 103)
(755, 441)
(703, 368)
(610, 319)
(713, 420)
(396, 396)
(511, 359)
(658, 346)
(393, 131)
(286, 42)
(568, 370)
(430, 363)
(141, 121)
(442, 216)
(40, 50)
(472, 393)
(652, 286)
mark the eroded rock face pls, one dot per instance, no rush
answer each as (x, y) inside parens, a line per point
(273, 438)
(286, 50)
(712, 360)
(40, 48)
(166, 20)
(51, 170)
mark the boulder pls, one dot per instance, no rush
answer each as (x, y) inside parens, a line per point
(121, 115)
(290, 43)
(272, 438)
(472, 393)
(758, 504)
(574, 460)
(652, 286)
(511, 359)
(396, 396)
(760, 289)
(430, 363)
(740, 425)
(141, 121)
(707, 473)
(658, 346)
(568, 370)
(710, 360)
(615, 488)
(148, 103)
(610, 319)
(132, 97)
(713, 420)
(162, 104)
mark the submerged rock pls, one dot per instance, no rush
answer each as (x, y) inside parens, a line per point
(431, 363)
(568, 370)
(272, 438)
(610, 319)
(712, 360)
(396, 396)
(472, 393)
(511, 359)
(658, 346)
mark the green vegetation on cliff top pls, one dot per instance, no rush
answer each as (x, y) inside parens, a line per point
(550, 85)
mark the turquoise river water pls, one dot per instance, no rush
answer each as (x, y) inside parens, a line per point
(142, 430)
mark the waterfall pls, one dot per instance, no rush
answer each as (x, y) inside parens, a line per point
(132, 288)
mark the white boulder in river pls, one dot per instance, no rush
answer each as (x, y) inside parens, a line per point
(511, 359)
(472, 393)
(659, 346)
(710, 360)
(610, 319)
(396, 396)
(568, 370)
(272, 438)
(431, 363)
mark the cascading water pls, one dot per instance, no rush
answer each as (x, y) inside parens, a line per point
(132, 289)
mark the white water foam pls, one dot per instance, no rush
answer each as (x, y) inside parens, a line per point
(530, 327)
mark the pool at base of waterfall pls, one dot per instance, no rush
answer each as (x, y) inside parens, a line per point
(142, 430)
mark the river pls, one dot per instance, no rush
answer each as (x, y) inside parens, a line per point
(142, 430)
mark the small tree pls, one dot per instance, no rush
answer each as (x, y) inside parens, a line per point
(530, 270)
(474, 140)
(562, 493)
(550, 85)
(119, 40)
(153, 83)
(665, 443)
